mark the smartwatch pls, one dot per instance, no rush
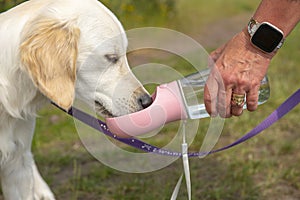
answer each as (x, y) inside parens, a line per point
(265, 36)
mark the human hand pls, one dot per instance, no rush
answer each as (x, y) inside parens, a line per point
(238, 69)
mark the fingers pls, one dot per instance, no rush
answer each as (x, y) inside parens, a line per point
(223, 106)
(252, 98)
(217, 98)
(227, 103)
(237, 102)
(229, 100)
(211, 96)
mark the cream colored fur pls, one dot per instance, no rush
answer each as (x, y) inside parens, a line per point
(56, 50)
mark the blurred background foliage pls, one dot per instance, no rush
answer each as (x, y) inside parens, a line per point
(137, 9)
(7, 4)
(143, 12)
(166, 13)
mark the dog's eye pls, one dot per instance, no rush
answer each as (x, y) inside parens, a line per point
(113, 58)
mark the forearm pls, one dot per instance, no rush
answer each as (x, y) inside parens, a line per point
(284, 14)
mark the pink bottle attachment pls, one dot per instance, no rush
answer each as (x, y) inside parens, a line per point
(167, 106)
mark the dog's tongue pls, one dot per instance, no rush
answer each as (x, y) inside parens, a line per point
(167, 106)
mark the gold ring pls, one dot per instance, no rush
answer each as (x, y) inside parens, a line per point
(238, 99)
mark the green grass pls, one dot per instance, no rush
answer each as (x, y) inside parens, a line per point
(264, 168)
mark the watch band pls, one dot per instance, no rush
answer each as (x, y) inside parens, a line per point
(253, 25)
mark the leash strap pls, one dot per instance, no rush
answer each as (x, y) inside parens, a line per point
(97, 124)
(186, 168)
(281, 111)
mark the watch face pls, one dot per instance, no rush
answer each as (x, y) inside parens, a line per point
(267, 37)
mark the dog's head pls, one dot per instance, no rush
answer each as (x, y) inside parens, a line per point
(70, 52)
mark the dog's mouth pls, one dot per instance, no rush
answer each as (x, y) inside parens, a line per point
(101, 110)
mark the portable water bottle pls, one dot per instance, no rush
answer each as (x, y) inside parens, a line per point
(180, 99)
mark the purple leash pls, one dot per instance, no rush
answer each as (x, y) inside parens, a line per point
(99, 125)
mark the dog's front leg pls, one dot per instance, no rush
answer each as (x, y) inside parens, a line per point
(19, 176)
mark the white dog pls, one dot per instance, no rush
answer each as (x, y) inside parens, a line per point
(54, 50)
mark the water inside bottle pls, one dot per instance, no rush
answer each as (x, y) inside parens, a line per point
(192, 88)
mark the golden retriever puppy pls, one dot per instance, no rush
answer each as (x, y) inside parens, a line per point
(54, 50)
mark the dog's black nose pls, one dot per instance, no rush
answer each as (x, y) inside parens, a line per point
(145, 101)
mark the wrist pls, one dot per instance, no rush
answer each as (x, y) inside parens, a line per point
(264, 36)
(252, 48)
(284, 14)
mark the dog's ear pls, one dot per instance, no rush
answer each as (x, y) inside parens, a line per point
(49, 51)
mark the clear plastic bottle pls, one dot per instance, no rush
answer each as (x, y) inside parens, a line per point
(192, 88)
